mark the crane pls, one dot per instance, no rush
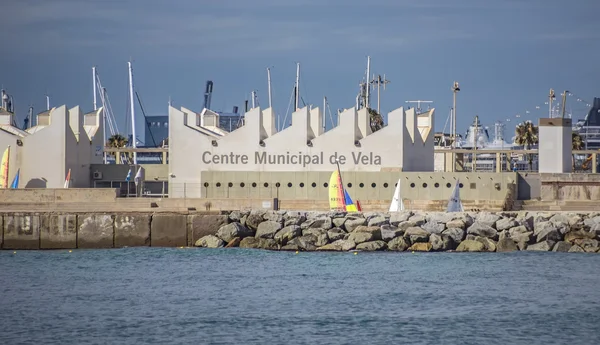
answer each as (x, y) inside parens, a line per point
(419, 104)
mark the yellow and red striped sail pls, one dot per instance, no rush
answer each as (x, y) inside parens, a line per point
(336, 192)
(4, 169)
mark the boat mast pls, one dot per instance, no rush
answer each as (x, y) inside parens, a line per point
(368, 85)
(132, 112)
(324, 107)
(94, 84)
(269, 87)
(297, 85)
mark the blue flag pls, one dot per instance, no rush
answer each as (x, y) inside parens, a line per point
(128, 178)
(15, 182)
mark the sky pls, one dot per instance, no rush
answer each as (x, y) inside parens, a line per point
(506, 55)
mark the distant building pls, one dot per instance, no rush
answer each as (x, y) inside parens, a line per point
(157, 130)
(158, 126)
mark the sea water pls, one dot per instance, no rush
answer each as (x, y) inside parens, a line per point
(245, 296)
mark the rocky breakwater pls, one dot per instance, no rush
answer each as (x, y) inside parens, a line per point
(409, 231)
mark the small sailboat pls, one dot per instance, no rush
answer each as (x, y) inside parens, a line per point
(15, 182)
(68, 180)
(4, 168)
(397, 202)
(336, 192)
(454, 204)
(339, 198)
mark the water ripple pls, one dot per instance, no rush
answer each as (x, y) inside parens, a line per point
(237, 296)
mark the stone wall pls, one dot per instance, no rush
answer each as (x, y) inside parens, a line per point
(409, 231)
(105, 230)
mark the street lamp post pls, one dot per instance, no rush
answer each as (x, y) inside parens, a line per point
(455, 89)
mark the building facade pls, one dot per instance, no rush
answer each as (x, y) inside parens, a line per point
(257, 152)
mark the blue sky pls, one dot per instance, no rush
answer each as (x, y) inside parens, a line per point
(506, 54)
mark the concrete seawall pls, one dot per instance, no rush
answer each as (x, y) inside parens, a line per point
(37, 230)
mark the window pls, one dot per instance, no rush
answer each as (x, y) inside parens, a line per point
(242, 185)
(448, 185)
(373, 185)
(218, 184)
(349, 184)
(436, 185)
(412, 185)
(266, 185)
(325, 184)
(230, 184)
(277, 184)
(424, 185)
(166, 124)
(361, 185)
(313, 185)
(385, 185)
(290, 185)
(205, 184)
(254, 184)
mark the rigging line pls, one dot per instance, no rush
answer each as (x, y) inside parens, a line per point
(330, 115)
(145, 119)
(288, 108)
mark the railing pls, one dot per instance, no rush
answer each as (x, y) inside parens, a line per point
(129, 189)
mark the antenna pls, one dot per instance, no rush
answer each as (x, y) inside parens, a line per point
(133, 137)
(380, 82)
(419, 104)
(47, 101)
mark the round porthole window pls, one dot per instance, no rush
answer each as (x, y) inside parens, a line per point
(205, 184)
(277, 184)
(313, 185)
(266, 184)
(412, 185)
(230, 184)
(448, 185)
(373, 185)
(361, 185)
(325, 184)
(218, 184)
(254, 184)
(385, 185)
(242, 185)
(436, 185)
(424, 185)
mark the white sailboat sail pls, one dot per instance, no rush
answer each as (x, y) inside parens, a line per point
(397, 203)
(454, 204)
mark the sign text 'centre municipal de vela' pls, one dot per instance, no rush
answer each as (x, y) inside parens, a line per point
(300, 158)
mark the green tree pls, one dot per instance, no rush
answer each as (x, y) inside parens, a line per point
(117, 141)
(526, 135)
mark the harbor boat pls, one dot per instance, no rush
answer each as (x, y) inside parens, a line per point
(4, 169)
(339, 199)
(454, 204)
(397, 202)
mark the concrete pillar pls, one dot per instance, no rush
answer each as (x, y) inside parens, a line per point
(555, 145)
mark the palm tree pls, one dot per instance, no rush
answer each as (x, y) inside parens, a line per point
(576, 144)
(526, 135)
(116, 141)
(376, 120)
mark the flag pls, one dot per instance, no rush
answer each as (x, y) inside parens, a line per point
(15, 182)
(128, 178)
(68, 179)
(138, 176)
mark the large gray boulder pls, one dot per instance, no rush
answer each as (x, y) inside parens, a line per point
(229, 231)
(268, 229)
(372, 246)
(483, 230)
(209, 241)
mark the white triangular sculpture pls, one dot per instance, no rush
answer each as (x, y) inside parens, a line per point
(397, 203)
(454, 204)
